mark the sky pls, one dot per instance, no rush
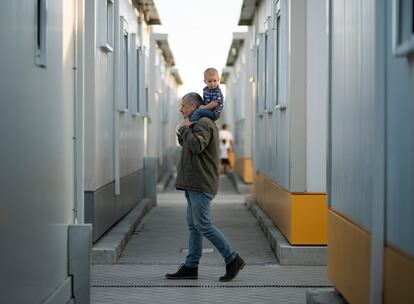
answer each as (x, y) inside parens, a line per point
(199, 34)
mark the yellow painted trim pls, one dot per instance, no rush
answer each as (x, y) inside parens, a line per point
(244, 168)
(277, 204)
(231, 159)
(398, 277)
(309, 219)
(258, 189)
(349, 249)
(301, 217)
(349, 259)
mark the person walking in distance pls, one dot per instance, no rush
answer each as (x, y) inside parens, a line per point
(197, 176)
(226, 134)
(226, 137)
(224, 156)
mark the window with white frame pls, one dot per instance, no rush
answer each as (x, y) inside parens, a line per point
(40, 55)
(403, 27)
(165, 104)
(146, 99)
(142, 86)
(252, 60)
(278, 59)
(138, 79)
(124, 75)
(266, 70)
(243, 78)
(261, 76)
(133, 75)
(107, 44)
(237, 96)
(269, 65)
(256, 75)
(253, 72)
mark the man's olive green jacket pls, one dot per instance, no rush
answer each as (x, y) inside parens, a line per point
(198, 169)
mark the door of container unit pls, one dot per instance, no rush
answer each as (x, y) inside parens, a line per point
(37, 163)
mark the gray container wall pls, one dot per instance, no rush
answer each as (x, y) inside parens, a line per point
(111, 87)
(281, 149)
(243, 121)
(355, 153)
(239, 99)
(257, 29)
(289, 97)
(280, 135)
(162, 91)
(353, 108)
(154, 99)
(101, 101)
(37, 151)
(169, 120)
(399, 147)
(317, 60)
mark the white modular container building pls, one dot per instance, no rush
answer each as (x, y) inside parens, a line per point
(371, 151)
(119, 119)
(238, 104)
(74, 87)
(288, 80)
(117, 43)
(41, 134)
(170, 117)
(163, 102)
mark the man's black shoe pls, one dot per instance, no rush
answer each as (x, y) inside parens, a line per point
(232, 269)
(183, 273)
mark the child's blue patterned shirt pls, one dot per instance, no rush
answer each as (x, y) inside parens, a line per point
(210, 95)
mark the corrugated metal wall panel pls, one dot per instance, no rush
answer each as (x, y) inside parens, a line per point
(400, 148)
(353, 115)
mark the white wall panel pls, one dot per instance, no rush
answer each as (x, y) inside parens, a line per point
(37, 151)
(271, 134)
(100, 113)
(316, 94)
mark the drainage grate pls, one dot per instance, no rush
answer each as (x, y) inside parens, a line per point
(212, 286)
(204, 250)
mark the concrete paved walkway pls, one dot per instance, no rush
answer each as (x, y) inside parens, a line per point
(158, 246)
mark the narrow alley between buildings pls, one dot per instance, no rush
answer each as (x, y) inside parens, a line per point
(158, 245)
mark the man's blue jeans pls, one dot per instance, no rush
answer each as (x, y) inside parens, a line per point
(199, 224)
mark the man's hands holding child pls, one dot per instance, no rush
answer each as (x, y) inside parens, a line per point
(184, 122)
